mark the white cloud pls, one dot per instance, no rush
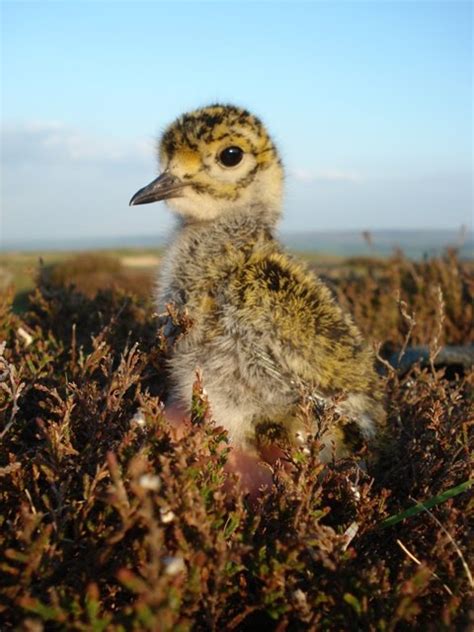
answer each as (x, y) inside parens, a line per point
(325, 175)
(52, 141)
(62, 181)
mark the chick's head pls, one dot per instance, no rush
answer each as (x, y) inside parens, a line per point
(215, 161)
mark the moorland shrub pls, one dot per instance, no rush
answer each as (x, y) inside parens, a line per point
(108, 522)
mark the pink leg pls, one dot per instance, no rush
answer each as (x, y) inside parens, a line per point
(252, 469)
(178, 419)
(253, 473)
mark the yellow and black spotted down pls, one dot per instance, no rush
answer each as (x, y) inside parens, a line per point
(266, 332)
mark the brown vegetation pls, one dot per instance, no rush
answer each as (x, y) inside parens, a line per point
(108, 523)
(90, 272)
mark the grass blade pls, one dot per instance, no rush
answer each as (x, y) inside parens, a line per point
(427, 504)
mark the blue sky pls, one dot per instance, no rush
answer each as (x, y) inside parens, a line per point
(369, 102)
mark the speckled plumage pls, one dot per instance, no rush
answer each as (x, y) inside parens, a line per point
(265, 330)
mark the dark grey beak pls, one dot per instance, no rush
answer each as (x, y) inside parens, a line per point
(164, 187)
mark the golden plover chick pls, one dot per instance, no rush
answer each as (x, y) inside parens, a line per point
(265, 331)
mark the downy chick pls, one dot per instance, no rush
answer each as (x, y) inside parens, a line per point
(266, 332)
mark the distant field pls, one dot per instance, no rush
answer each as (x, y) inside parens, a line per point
(19, 269)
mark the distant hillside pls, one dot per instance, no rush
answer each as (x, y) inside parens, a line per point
(416, 244)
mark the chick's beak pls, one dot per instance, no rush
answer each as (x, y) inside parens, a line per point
(164, 187)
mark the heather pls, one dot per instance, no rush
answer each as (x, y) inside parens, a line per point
(108, 522)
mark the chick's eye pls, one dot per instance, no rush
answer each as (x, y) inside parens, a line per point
(231, 156)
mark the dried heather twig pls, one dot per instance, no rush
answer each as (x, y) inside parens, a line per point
(435, 342)
(11, 385)
(417, 561)
(410, 319)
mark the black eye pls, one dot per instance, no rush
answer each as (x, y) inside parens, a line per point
(231, 156)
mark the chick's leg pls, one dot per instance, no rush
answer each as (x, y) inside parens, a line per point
(252, 472)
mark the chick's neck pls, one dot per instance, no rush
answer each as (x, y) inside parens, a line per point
(238, 228)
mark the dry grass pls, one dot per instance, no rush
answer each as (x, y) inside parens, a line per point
(108, 523)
